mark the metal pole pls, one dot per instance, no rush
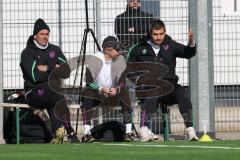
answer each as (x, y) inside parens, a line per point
(1, 73)
(98, 21)
(60, 22)
(17, 125)
(82, 56)
(86, 13)
(201, 66)
(235, 5)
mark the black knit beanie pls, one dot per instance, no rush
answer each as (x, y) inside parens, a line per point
(40, 25)
(110, 41)
(128, 1)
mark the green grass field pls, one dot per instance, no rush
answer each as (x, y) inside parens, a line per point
(219, 150)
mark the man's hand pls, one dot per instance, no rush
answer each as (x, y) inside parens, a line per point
(42, 68)
(113, 91)
(131, 29)
(191, 41)
(190, 36)
(104, 91)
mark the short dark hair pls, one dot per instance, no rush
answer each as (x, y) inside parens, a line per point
(157, 24)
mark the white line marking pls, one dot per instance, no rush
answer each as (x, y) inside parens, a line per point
(174, 146)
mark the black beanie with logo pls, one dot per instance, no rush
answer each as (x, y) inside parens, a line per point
(40, 25)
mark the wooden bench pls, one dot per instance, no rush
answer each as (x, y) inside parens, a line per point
(18, 118)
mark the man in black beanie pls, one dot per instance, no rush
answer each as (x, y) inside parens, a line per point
(39, 61)
(40, 25)
(133, 24)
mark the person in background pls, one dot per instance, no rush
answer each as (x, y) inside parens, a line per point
(158, 47)
(133, 24)
(38, 61)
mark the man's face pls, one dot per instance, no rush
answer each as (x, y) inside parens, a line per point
(135, 4)
(158, 35)
(42, 37)
(111, 52)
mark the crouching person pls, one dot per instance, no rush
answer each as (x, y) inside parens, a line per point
(105, 80)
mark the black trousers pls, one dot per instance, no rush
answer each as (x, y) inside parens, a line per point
(43, 97)
(177, 96)
(92, 100)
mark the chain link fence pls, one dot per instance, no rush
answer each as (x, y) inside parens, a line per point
(67, 21)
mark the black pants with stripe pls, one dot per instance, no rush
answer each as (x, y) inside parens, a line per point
(93, 100)
(42, 97)
(177, 96)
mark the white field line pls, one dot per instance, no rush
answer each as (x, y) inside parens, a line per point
(174, 146)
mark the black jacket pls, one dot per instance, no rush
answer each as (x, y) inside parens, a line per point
(132, 18)
(169, 51)
(32, 56)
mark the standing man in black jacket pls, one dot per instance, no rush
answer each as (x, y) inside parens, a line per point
(133, 24)
(38, 61)
(158, 47)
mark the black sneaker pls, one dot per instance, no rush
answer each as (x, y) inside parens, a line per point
(129, 137)
(72, 138)
(88, 138)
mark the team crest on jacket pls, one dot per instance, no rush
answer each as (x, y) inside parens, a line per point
(144, 51)
(40, 92)
(165, 47)
(52, 54)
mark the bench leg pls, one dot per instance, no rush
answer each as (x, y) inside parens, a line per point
(165, 122)
(18, 119)
(166, 127)
(17, 126)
